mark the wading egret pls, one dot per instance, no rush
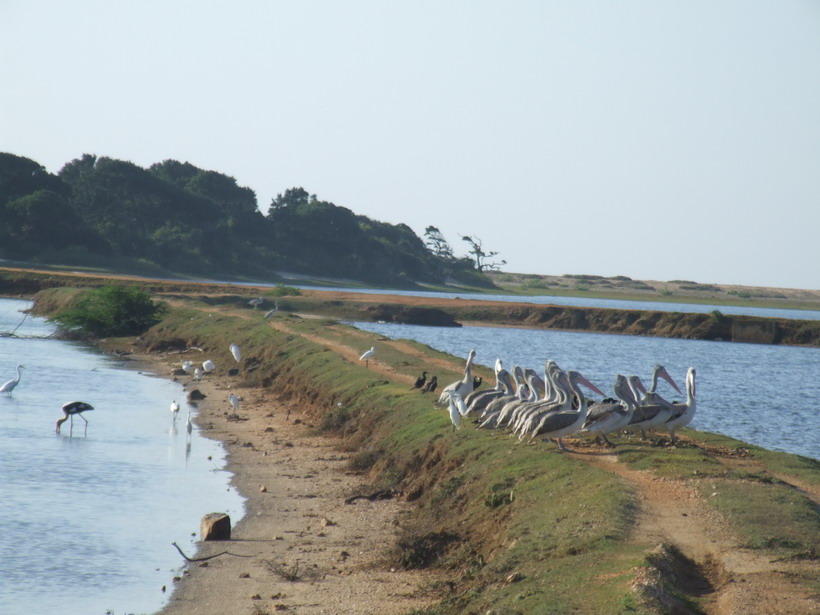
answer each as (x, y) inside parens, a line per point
(8, 387)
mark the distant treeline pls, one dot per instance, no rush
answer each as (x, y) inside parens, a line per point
(176, 218)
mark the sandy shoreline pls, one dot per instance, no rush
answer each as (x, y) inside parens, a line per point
(299, 548)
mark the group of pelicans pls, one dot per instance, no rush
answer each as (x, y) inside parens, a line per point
(553, 406)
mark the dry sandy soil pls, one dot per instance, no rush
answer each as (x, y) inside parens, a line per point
(302, 549)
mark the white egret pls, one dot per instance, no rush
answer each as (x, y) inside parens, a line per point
(237, 355)
(368, 355)
(234, 401)
(174, 409)
(72, 408)
(8, 387)
(456, 403)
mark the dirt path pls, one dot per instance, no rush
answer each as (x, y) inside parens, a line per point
(733, 580)
(307, 551)
(352, 354)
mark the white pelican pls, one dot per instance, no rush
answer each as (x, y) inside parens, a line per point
(72, 408)
(606, 417)
(208, 365)
(559, 424)
(557, 397)
(367, 355)
(174, 409)
(460, 387)
(659, 371)
(8, 387)
(478, 400)
(683, 413)
(237, 355)
(509, 410)
(489, 417)
(554, 397)
(650, 411)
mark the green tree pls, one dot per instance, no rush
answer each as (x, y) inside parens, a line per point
(480, 256)
(437, 244)
(111, 311)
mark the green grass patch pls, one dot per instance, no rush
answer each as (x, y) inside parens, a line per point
(772, 517)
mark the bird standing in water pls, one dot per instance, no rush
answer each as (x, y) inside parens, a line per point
(72, 408)
(174, 410)
(8, 387)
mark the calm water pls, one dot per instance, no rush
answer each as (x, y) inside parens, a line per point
(762, 394)
(90, 518)
(613, 304)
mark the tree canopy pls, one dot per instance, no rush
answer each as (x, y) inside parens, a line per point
(178, 218)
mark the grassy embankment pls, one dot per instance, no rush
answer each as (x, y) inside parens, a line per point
(509, 528)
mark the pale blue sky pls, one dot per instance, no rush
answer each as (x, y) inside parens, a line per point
(658, 140)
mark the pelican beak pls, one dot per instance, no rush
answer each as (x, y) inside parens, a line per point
(590, 386)
(665, 375)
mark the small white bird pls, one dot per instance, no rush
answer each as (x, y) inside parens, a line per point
(208, 365)
(237, 355)
(234, 401)
(198, 373)
(8, 387)
(455, 413)
(174, 409)
(368, 355)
